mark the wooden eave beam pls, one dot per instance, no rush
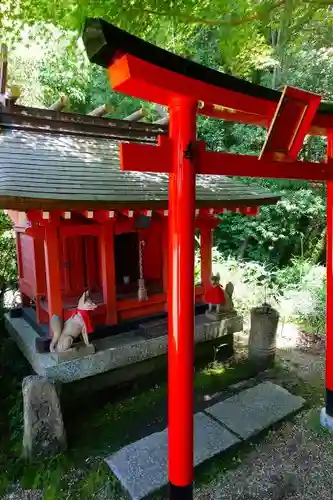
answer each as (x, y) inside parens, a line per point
(160, 206)
(236, 115)
(141, 79)
(49, 121)
(137, 115)
(213, 163)
(101, 110)
(322, 123)
(60, 104)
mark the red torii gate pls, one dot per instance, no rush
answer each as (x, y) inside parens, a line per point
(142, 70)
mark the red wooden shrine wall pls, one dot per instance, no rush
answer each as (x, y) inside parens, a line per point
(81, 267)
(80, 264)
(152, 256)
(27, 258)
(80, 260)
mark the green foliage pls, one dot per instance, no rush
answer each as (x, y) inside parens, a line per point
(279, 232)
(304, 289)
(252, 36)
(298, 290)
(315, 320)
(8, 270)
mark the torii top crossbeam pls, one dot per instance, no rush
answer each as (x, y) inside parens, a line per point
(142, 70)
(240, 101)
(148, 72)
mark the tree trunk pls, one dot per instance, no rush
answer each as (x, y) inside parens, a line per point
(280, 44)
(319, 248)
(243, 247)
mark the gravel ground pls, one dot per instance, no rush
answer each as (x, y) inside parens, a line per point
(19, 494)
(296, 461)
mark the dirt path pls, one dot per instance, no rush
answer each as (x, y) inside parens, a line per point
(294, 462)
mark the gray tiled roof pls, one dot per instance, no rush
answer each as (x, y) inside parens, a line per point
(65, 168)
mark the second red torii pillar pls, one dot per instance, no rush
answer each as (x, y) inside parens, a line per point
(181, 297)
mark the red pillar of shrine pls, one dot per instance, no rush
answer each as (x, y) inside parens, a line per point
(181, 298)
(327, 412)
(108, 272)
(52, 270)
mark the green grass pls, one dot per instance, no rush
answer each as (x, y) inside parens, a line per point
(217, 376)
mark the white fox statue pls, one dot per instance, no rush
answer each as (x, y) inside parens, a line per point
(78, 324)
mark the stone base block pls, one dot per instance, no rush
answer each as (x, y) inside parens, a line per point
(154, 329)
(44, 433)
(326, 421)
(226, 325)
(79, 351)
(112, 353)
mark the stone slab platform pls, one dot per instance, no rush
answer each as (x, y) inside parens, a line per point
(141, 467)
(116, 351)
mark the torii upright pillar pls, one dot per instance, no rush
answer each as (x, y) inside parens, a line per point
(326, 416)
(181, 297)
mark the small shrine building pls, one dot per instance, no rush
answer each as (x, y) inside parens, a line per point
(82, 223)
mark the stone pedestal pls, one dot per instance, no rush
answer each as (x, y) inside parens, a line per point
(222, 324)
(80, 350)
(262, 341)
(44, 433)
(326, 421)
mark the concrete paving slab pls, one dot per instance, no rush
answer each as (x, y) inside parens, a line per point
(142, 467)
(255, 409)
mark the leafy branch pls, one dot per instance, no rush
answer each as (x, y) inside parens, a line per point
(209, 22)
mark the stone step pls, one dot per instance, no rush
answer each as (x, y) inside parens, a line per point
(156, 328)
(253, 410)
(141, 467)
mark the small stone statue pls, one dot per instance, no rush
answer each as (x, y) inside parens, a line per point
(78, 324)
(219, 298)
(228, 306)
